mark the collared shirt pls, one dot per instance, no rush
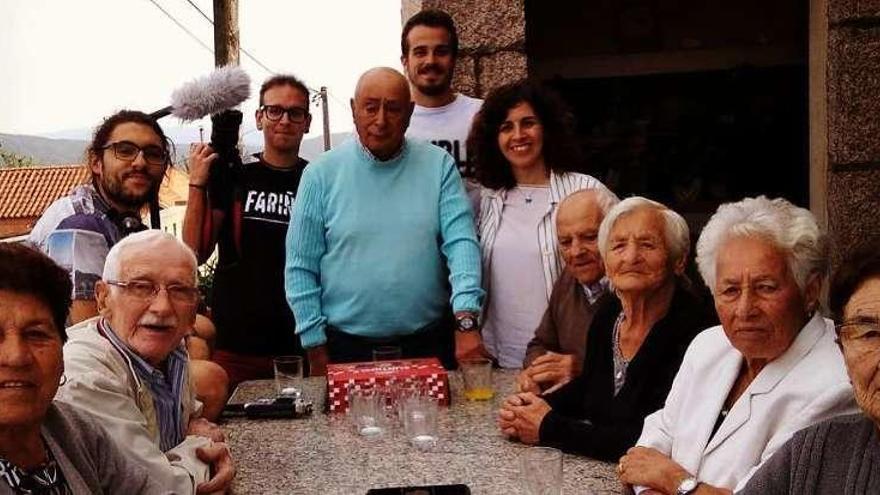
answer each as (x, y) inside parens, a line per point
(595, 290)
(165, 387)
(374, 157)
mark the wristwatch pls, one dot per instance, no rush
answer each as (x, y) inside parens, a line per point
(686, 486)
(467, 322)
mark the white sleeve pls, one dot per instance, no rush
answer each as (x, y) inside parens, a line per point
(92, 387)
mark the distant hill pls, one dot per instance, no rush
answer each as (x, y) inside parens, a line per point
(51, 151)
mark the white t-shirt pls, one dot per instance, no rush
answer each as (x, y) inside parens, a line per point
(517, 300)
(447, 127)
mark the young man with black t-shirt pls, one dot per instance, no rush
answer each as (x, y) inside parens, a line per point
(245, 210)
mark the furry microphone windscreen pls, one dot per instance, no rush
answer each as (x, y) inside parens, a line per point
(220, 90)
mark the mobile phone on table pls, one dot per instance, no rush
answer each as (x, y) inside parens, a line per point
(423, 490)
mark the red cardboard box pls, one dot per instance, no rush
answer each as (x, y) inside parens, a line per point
(341, 377)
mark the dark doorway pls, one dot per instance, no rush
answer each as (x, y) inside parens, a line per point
(689, 102)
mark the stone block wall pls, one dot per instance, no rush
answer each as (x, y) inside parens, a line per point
(853, 96)
(492, 41)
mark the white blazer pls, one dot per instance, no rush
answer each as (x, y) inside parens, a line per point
(806, 384)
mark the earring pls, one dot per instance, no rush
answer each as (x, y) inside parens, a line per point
(63, 379)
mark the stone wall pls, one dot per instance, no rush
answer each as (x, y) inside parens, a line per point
(853, 95)
(492, 41)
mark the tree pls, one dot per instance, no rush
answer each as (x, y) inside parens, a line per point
(10, 159)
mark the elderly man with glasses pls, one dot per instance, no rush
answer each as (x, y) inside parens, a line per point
(244, 210)
(129, 366)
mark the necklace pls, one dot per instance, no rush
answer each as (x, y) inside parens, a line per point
(528, 194)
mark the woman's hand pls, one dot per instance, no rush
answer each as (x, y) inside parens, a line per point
(525, 384)
(649, 467)
(199, 163)
(521, 416)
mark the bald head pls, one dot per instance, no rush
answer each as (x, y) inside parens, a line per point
(579, 201)
(577, 230)
(383, 77)
(381, 109)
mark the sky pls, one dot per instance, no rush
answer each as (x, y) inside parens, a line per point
(67, 64)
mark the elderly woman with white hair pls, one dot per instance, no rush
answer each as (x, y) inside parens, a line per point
(770, 368)
(635, 345)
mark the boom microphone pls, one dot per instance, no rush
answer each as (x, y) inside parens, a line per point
(220, 90)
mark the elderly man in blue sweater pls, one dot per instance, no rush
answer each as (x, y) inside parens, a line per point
(378, 226)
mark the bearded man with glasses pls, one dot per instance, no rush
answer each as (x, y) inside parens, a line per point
(129, 366)
(127, 157)
(244, 210)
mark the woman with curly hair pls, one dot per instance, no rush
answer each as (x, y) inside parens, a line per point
(523, 151)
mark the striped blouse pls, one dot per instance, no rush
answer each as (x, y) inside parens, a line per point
(492, 208)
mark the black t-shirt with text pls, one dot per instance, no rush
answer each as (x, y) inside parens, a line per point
(248, 302)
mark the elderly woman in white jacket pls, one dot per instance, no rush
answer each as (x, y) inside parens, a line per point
(770, 368)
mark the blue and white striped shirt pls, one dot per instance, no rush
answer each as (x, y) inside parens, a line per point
(166, 388)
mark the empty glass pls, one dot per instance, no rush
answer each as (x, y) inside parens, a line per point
(477, 375)
(420, 421)
(367, 411)
(386, 353)
(542, 471)
(288, 376)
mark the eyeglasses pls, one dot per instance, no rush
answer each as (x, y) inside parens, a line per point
(296, 115)
(860, 337)
(126, 150)
(147, 291)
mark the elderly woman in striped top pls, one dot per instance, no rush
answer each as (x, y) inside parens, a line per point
(523, 153)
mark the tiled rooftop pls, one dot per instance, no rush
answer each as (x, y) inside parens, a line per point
(27, 191)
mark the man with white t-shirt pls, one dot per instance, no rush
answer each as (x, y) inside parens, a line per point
(429, 47)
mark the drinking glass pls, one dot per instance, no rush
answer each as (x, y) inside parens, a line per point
(542, 471)
(477, 375)
(367, 411)
(288, 376)
(420, 421)
(386, 353)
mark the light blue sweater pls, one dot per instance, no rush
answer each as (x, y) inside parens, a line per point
(368, 241)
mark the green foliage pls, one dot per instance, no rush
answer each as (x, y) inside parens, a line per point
(10, 159)
(206, 278)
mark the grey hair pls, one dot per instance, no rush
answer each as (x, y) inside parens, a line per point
(790, 228)
(113, 263)
(605, 199)
(675, 232)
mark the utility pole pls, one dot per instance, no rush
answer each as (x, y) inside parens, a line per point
(226, 41)
(326, 113)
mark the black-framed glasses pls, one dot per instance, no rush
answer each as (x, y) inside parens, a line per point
(147, 291)
(296, 115)
(860, 336)
(128, 151)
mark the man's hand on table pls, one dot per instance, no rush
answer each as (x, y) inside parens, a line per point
(469, 345)
(521, 415)
(204, 428)
(549, 371)
(218, 458)
(317, 360)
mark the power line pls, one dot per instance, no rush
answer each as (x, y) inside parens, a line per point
(181, 26)
(253, 58)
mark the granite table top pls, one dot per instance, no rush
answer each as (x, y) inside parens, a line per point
(323, 454)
